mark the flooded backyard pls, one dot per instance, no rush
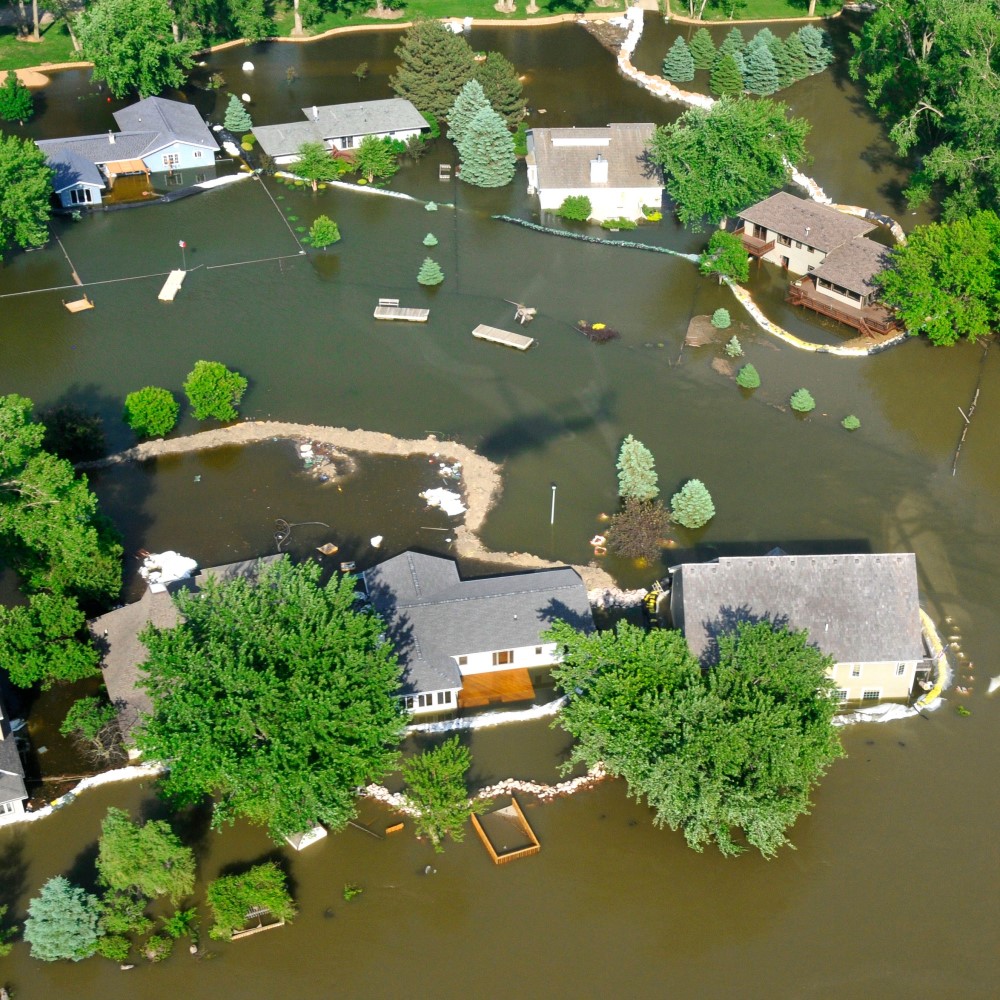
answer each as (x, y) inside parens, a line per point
(892, 889)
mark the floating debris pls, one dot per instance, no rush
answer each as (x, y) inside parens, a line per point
(347, 567)
(376, 541)
(449, 502)
(327, 548)
(599, 333)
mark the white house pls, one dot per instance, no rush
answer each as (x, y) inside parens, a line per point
(158, 136)
(467, 643)
(12, 790)
(863, 610)
(608, 165)
(341, 127)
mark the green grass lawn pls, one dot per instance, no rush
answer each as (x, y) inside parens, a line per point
(54, 47)
(759, 10)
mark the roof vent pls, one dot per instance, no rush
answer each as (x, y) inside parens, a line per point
(315, 113)
(111, 137)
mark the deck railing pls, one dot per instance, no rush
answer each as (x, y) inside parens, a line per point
(755, 246)
(865, 321)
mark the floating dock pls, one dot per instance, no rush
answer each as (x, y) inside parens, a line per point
(497, 336)
(78, 305)
(391, 309)
(172, 286)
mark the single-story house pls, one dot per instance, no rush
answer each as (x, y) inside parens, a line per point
(607, 165)
(467, 643)
(157, 136)
(863, 610)
(12, 790)
(117, 636)
(341, 126)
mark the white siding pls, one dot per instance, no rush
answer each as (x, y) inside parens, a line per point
(444, 700)
(800, 255)
(523, 656)
(606, 203)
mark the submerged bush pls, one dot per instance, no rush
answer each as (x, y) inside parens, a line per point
(733, 347)
(801, 401)
(576, 208)
(620, 223)
(692, 506)
(721, 320)
(850, 423)
(748, 378)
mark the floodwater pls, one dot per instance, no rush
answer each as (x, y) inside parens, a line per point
(892, 889)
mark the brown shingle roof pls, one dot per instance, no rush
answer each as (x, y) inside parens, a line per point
(854, 264)
(790, 216)
(568, 166)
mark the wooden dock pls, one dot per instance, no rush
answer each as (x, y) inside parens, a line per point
(390, 309)
(172, 286)
(497, 336)
(78, 305)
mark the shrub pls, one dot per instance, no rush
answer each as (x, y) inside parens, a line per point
(351, 889)
(431, 206)
(652, 214)
(850, 423)
(231, 896)
(430, 272)
(620, 223)
(576, 208)
(435, 128)
(636, 531)
(157, 947)
(361, 70)
(324, 232)
(151, 412)
(180, 923)
(521, 140)
(801, 401)
(124, 912)
(692, 506)
(721, 320)
(733, 346)
(114, 947)
(249, 140)
(430, 240)
(213, 390)
(748, 378)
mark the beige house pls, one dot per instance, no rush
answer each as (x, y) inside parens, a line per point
(863, 610)
(608, 165)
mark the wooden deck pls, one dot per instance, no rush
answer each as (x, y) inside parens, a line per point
(497, 688)
(754, 246)
(497, 336)
(172, 286)
(872, 321)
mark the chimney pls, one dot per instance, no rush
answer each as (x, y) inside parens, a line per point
(315, 113)
(111, 137)
(599, 170)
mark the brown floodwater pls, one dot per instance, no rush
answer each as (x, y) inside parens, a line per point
(892, 889)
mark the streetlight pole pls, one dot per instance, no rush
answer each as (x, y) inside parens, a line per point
(552, 515)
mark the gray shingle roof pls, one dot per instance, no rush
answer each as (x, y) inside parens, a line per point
(69, 168)
(790, 216)
(168, 120)
(856, 608)
(284, 140)
(11, 772)
(568, 166)
(99, 148)
(432, 615)
(854, 264)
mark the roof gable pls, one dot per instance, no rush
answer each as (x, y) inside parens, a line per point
(806, 221)
(854, 264)
(169, 120)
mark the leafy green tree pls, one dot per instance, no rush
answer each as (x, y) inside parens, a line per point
(436, 785)
(721, 319)
(73, 433)
(735, 748)
(718, 161)
(151, 411)
(237, 118)
(727, 77)
(93, 723)
(214, 391)
(16, 104)
(502, 87)
(146, 858)
(802, 401)
(25, 192)
(251, 19)
(324, 232)
(486, 151)
(430, 273)
(799, 65)
(678, 63)
(816, 43)
(576, 208)
(748, 377)
(638, 529)
(702, 49)
(636, 471)
(233, 896)
(275, 696)
(115, 948)
(315, 164)
(132, 46)
(692, 505)
(725, 256)
(433, 65)
(471, 100)
(761, 75)
(6, 933)
(62, 922)
(733, 42)
(124, 912)
(157, 947)
(375, 158)
(945, 281)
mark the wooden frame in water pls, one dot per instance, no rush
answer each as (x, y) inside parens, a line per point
(505, 823)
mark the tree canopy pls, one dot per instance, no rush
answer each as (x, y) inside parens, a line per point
(736, 747)
(315, 164)
(274, 696)
(931, 69)
(62, 922)
(151, 411)
(232, 896)
(25, 190)
(636, 471)
(132, 46)
(471, 100)
(692, 505)
(719, 161)
(213, 390)
(16, 104)
(502, 86)
(375, 158)
(433, 65)
(945, 281)
(725, 256)
(486, 151)
(147, 858)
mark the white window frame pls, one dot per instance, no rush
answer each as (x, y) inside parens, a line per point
(900, 669)
(508, 653)
(855, 669)
(872, 694)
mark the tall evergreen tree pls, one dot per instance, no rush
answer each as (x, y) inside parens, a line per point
(781, 61)
(470, 101)
(237, 118)
(486, 151)
(692, 505)
(636, 471)
(15, 100)
(702, 49)
(433, 65)
(62, 922)
(763, 38)
(817, 46)
(430, 273)
(798, 61)
(761, 75)
(726, 78)
(678, 64)
(733, 42)
(502, 87)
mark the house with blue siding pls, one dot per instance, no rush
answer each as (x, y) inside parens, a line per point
(157, 136)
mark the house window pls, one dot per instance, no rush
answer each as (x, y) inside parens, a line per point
(900, 669)
(425, 700)
(856, 670)
(347, 142)
(538, 650)
(840, 694)
(197, 154)
(463, 661)
(798, 245)
(170, 160)
(6, 807)
(784, 240)
(504, 656)
(81, 196)
(871, 695)
(444, 697)
(408, 701)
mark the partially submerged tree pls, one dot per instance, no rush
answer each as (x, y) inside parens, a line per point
(232, 897)
(25, 193)
(324, 232)
(214, 391)
(702, 49)
(748, 377)
(486, 151)
(92, 723)
(637, 531)
(470, 101)
(274, 696)
(802, 401)
(151, 411)
(636, 471)
(433, 65)
(726, 257)
(502, 87)
(678, 64)
(62, 922)
(237, 118)
(375, 159)
(727, 78)
(436, 785)
(16, 104)
(761, 76)
(726, 754)
(315, 164)
(430, 272)
(692, 506)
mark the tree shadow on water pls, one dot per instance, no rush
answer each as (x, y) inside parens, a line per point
(13, 876)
